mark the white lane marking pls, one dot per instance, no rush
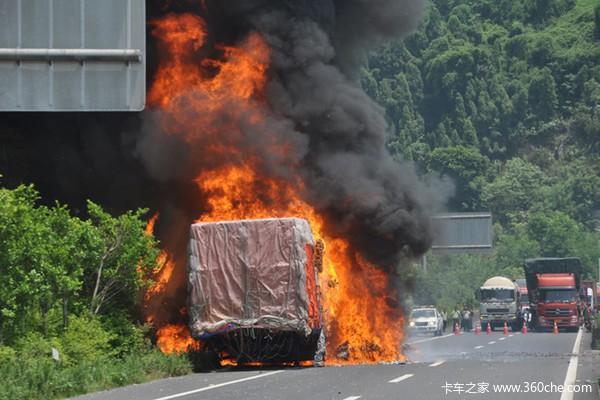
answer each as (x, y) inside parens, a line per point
(352, 398)
(572, 368)
(210, 387)
(478, 347)
(401, 378)
(517, 333)
(502, 338)
(511, 335)
(430, 339)
(492, 342)
(437, 363)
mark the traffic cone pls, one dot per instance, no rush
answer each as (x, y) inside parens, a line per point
(456, 329)
(478, 330)
(524, 329)
(555, 330)
(488, 330)
(505, 329)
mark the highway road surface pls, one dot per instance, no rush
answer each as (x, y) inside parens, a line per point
(466, 366)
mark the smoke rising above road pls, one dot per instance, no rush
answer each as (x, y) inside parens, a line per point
(314, 122)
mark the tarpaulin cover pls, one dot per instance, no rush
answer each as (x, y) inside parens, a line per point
(250, 273)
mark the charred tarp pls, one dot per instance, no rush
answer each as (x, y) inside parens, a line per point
(253, 291)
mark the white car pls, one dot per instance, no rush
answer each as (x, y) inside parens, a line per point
(426, 320)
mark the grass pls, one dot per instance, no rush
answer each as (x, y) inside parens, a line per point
(43, 378)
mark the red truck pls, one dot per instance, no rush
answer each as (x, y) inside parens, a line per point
(553, 285)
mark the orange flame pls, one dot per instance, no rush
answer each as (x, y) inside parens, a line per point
(175, 339)
(362, 319)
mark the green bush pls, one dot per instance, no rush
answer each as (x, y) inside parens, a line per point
(129, 338)
(34, 346)
(7, 355)
(86, 340)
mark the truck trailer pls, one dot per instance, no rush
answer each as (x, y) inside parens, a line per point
(253, 290)
(554, 285)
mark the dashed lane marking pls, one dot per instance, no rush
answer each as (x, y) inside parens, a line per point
(478, 347)
(492, 342)
(401, 378)
(352, 398)
(502, 338)
(437, 363)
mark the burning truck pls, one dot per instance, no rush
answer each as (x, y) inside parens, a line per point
(257, 113)
(253, 290)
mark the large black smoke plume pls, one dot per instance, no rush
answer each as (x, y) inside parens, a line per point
(317, 107)
(315, 104)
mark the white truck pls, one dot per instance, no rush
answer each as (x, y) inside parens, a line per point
(499, 303)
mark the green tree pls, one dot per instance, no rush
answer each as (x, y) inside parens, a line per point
(19, 256)
(577, 193)
(517, 189)
(512, 248)
(556, 232)
(543, 99)
(123, 254)
(597, 22)
(469, 170)
(51, 261)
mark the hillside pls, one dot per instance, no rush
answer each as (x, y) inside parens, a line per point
(504, 98)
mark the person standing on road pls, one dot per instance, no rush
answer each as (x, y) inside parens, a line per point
(444, 320)
(465, 319)
(470, 319)
(587, 320)
(527, 317)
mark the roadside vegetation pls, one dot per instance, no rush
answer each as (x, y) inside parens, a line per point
(503, 97)
(73, 285)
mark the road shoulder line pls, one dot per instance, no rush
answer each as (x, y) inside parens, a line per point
(210, 387)
(572, 368)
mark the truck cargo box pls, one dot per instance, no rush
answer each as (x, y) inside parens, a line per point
(536, 266)
(253, 274)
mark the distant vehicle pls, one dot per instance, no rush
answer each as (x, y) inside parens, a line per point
(499, 303)
(554, 285)
(426, 320)
(523, 293)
